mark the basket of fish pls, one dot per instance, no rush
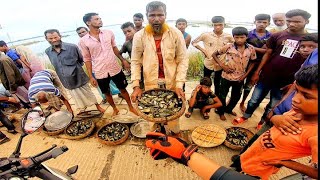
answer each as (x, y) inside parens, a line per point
(79, 129)
(113, 133)
(160, 105)
(237, 137)
(56, 123)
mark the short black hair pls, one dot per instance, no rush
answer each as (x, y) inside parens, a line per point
(155, 5)
(310, 37)
(138, 15)
(217, 19)
(52, 31)
(87, 17)
(206, 81)
(308, 76)
(262, 17)
(240, 31)
(298, 12)
(127, 24)
(2, 43)
(181, 20)
(82, 28)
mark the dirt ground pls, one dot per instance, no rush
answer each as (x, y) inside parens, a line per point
(130, 160)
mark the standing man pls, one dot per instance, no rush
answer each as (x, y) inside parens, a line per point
(279, 19)
(278, 65)
(138, 20)
(99, 49)
(67, 60)
(161, 50)
(212, 41)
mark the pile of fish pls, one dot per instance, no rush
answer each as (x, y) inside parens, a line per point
(78, 128)
(112, 132)
(237, 136)
(159, 104)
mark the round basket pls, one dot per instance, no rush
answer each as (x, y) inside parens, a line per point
(233, 133)
(208, 135)
(116, 142)
(150, 117)
(83, 135)
(140, 129)
(52, 133)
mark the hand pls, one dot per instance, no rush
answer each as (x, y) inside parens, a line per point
(12, 100)
(93, 82)
(198, 88)
(136, 94)
(180, 93)
(254, 78)
(228, 70)
(286, 123)
(126, 65)
(161, 146)
(276, 163)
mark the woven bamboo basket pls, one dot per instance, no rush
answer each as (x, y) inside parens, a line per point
(53, 133)
(238, 147)
(81, 136)
(162, 119)
(113, 143)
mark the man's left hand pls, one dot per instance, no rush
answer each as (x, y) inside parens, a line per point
(180, 93)
(275, 163)
(126, 65)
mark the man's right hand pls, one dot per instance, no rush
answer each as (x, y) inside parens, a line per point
(286, 123)
(12, 100)
(136, 94)
(255, 78)
(93, 82)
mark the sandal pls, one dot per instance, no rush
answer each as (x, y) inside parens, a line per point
(239, 120)
(205, 115)
(187, 114)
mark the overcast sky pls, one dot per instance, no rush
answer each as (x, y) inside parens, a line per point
(31, 17)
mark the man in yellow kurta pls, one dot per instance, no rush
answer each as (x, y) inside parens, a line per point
(161, 51)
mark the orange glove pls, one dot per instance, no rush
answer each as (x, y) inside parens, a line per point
(162, 146)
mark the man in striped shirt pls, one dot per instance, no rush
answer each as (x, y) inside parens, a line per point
(45, 86)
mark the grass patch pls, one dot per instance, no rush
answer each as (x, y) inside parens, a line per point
(195, 69)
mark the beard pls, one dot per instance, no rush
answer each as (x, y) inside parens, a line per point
(157, 28)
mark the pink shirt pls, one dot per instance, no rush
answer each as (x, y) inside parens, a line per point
(100, 53)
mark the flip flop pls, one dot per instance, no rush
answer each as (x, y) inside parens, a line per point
(187, 114)
(205, 115)
(238, 121)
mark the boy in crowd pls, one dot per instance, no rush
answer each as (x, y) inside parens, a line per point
(278, 65)
(82, 31)
(213, 41)
(235, 70)
(257, 38)
(138, 20)
(203, 98)
(128, 30)
(273, 150)
(279, 19)
(182, 24)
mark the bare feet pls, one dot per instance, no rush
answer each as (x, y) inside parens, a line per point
(133, 111)
(232, 113)
(100, 108)
(115, 112)
(242, 108)
(223, 118)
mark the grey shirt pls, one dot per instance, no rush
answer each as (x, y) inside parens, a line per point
(68, 65)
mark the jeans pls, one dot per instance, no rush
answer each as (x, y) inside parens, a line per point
(259, 93)
(235, 95)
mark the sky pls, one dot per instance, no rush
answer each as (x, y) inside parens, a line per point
(32, 17)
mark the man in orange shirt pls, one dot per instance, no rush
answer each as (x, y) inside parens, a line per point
(273, 149)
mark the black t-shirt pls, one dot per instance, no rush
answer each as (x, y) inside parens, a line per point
(285, 60)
